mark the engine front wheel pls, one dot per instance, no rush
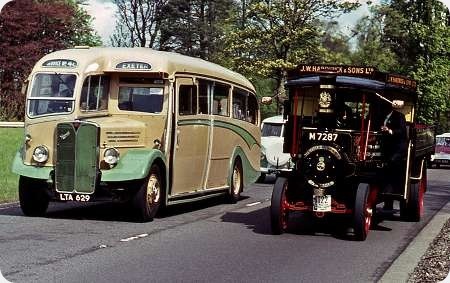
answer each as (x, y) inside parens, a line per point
(33, 197)
(362, 216)
(279, 212)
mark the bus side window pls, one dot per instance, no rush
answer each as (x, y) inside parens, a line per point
(239, 104)
(252, 115)
(94, 93)
(203, 97)
(187, 99)
(220, 99)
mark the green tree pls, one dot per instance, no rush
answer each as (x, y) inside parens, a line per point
(277, 35)
(196, 27)
(371, 49)
(419, 34)
(335, 45)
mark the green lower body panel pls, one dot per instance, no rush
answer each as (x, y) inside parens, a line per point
(77, 157)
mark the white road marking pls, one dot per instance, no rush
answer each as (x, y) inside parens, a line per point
(253, 203)
(134, 237)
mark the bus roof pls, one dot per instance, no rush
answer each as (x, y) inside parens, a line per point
(135, 60)
(275, 119)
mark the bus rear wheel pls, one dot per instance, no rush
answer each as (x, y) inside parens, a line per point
(236, 182)
(33, 197)
(150, 195)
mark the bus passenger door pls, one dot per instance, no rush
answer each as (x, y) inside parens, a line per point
(191, 137)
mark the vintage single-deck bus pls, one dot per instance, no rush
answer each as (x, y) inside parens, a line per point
(134, 124)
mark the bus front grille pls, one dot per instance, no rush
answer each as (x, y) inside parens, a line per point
(77, 154)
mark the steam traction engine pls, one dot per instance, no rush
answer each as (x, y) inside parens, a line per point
(342, 158)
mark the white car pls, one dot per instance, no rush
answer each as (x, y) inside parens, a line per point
(273, 160)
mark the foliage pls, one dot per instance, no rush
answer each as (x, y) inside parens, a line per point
(413, 39)
(48, 26)
(419, 34)
(10, 140)
(372, 49)
(335, 45)
(276, 35)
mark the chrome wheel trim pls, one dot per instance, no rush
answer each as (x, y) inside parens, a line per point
(236, 180)
(153, 190)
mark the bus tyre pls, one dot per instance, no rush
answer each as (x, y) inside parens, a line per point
(236, 182)
(362, 216)
(33, 197)
(279, 212)
(149, 196)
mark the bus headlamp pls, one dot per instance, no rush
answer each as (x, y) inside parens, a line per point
(111, 156)
(40, 154)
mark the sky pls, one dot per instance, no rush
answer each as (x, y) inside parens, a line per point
(104, 19)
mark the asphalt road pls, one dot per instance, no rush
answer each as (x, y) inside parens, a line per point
(209, 241)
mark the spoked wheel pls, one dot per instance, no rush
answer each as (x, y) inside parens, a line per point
(279, 212)
(412, 209)
(149, 197)
(32, 196)
(236, 182)
(362, 217)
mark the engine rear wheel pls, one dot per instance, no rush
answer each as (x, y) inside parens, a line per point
(362, 216)
(412, 209)
(279, 212)
(33, 197)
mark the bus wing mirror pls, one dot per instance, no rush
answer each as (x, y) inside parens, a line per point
(266, 100)
(398, 104)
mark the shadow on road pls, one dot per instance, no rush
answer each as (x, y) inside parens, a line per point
(113, 211)
(337, 226)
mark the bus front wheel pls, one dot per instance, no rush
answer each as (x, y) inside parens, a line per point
(33, 197)
(149, 196)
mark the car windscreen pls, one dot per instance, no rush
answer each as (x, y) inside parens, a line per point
(51, 93)
(271, 130)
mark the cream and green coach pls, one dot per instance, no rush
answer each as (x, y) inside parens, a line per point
(134, 124)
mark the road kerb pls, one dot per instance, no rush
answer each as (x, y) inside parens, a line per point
(404, 265)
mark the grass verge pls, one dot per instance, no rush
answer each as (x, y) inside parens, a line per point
(10, 139)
